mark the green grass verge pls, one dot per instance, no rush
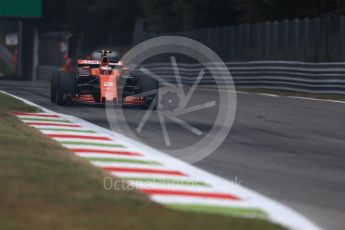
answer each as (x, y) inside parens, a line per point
(338, 97)
(44, 186)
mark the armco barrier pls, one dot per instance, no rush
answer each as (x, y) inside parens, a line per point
(295, 76)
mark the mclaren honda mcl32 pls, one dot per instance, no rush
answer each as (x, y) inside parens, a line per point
(101, 81)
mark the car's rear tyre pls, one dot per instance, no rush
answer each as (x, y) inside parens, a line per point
(53, 85)
(65, 88)
(149, 84)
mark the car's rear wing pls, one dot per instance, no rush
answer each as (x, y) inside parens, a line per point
(95, 63)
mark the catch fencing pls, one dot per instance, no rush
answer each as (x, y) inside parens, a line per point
(52, 53)
(52, 48)
(306, 40)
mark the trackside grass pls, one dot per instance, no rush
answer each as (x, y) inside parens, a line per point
(44, 186)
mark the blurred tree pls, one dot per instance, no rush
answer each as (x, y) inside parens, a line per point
(252, 11)
(98, 19)
(339, 7)
(162, 16)
(116, 18)
(54, 15)
(175, 15)
(209, 13)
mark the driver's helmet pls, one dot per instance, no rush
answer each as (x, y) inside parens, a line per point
(104, 61)
(106, 69)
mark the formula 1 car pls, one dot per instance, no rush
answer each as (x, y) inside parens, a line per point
(98, 82)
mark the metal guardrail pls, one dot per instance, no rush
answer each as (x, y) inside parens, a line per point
(295, 76)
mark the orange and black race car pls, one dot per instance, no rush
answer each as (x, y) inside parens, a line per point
(101, 81)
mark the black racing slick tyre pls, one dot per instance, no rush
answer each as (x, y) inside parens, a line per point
(65, 88)
(53, 85)
(149, 84)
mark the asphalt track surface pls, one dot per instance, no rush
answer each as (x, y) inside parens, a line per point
(292, 150)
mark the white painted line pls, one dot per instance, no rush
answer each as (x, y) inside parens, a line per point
(316, 99)
(275, 95)
(47, 132)
(91, 147)
(127, 165)
(82, 140)
(102, 156)
(203, 201)
(39, 127)
(171, 186)
(149, 176)
(50, 121)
